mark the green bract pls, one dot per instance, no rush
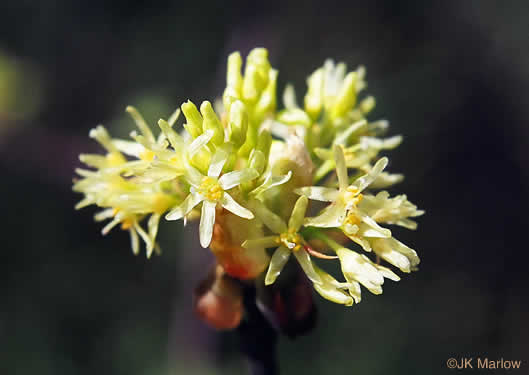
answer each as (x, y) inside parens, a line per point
(296, 180)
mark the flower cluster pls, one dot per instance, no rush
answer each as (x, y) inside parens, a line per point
(264, 183)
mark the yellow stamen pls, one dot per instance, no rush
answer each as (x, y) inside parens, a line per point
(350, 224)
(210, 189)
(146, 155)
(126, 224)
(352, 195)
(291, 240)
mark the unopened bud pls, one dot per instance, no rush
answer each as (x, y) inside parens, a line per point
(212, 122)
(193, 119)
(238, 123)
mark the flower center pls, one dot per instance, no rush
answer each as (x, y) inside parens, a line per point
(210, 189)
(350, 224)
(292, 240)
(352, 195)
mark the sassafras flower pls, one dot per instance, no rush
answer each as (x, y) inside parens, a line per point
(343, 211)
(287, 237)
(211, 190)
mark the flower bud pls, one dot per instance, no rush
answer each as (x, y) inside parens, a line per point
(194, 120)
(218, 300)
(346, 97)
(257, 161)
(233, 75)
(264, 141)
(313, 98)
(212, 122)
(267, 101)
(238, 123)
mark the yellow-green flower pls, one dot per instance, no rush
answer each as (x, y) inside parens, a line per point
(287, 237)
(211, 190)
(343, 210)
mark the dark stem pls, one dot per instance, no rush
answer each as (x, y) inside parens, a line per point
(257, 338)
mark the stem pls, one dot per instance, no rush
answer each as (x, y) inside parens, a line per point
(313, 232)
(258, 339)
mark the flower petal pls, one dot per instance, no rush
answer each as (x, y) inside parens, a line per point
(175, 139)
(231, 205)
(271, 220)
(329, 290)
(298, 213)
(318, 193)
(207, 220)
(185, 207)
(217, 163)
(199, 142)
(262, 242)
(231, 179)
(364, 181)
(134, 241)
(152, 225)
(341, 168)
(271, 181)
(306, 263)
(382, 232)
(193, 176)
(278, 261)
(331, 217)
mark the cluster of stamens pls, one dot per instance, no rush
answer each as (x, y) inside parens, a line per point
(210, 189)
(292, 240)
(353, 196)
(350, 224)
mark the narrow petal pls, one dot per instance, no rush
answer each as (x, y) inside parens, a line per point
(217, 162)
(231, 179)
(185, 207)
(109, 226)
(329, 290)
(306, 263)
(331, 217)
(152, 225)
(271, 181)
(144, 236)
(318, 193)
(194, 177)
(271, 220)
(134, 241)
(298, 213)
(105, 214)
(229, 203)
(341, 168)
(387, 273)
(383, 232)
(355, 291)
(129, 148)
(268, 241)
(278, 261)
(199, 142)
(364, 181)
(176, 139)
(140, 122)
(207, 220)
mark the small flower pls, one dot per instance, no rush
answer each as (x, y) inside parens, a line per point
(335, 291)
(343, 211)
(287, 237)
(211, 190)
(396, 210)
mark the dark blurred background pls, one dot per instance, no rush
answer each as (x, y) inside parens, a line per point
(451, 76)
